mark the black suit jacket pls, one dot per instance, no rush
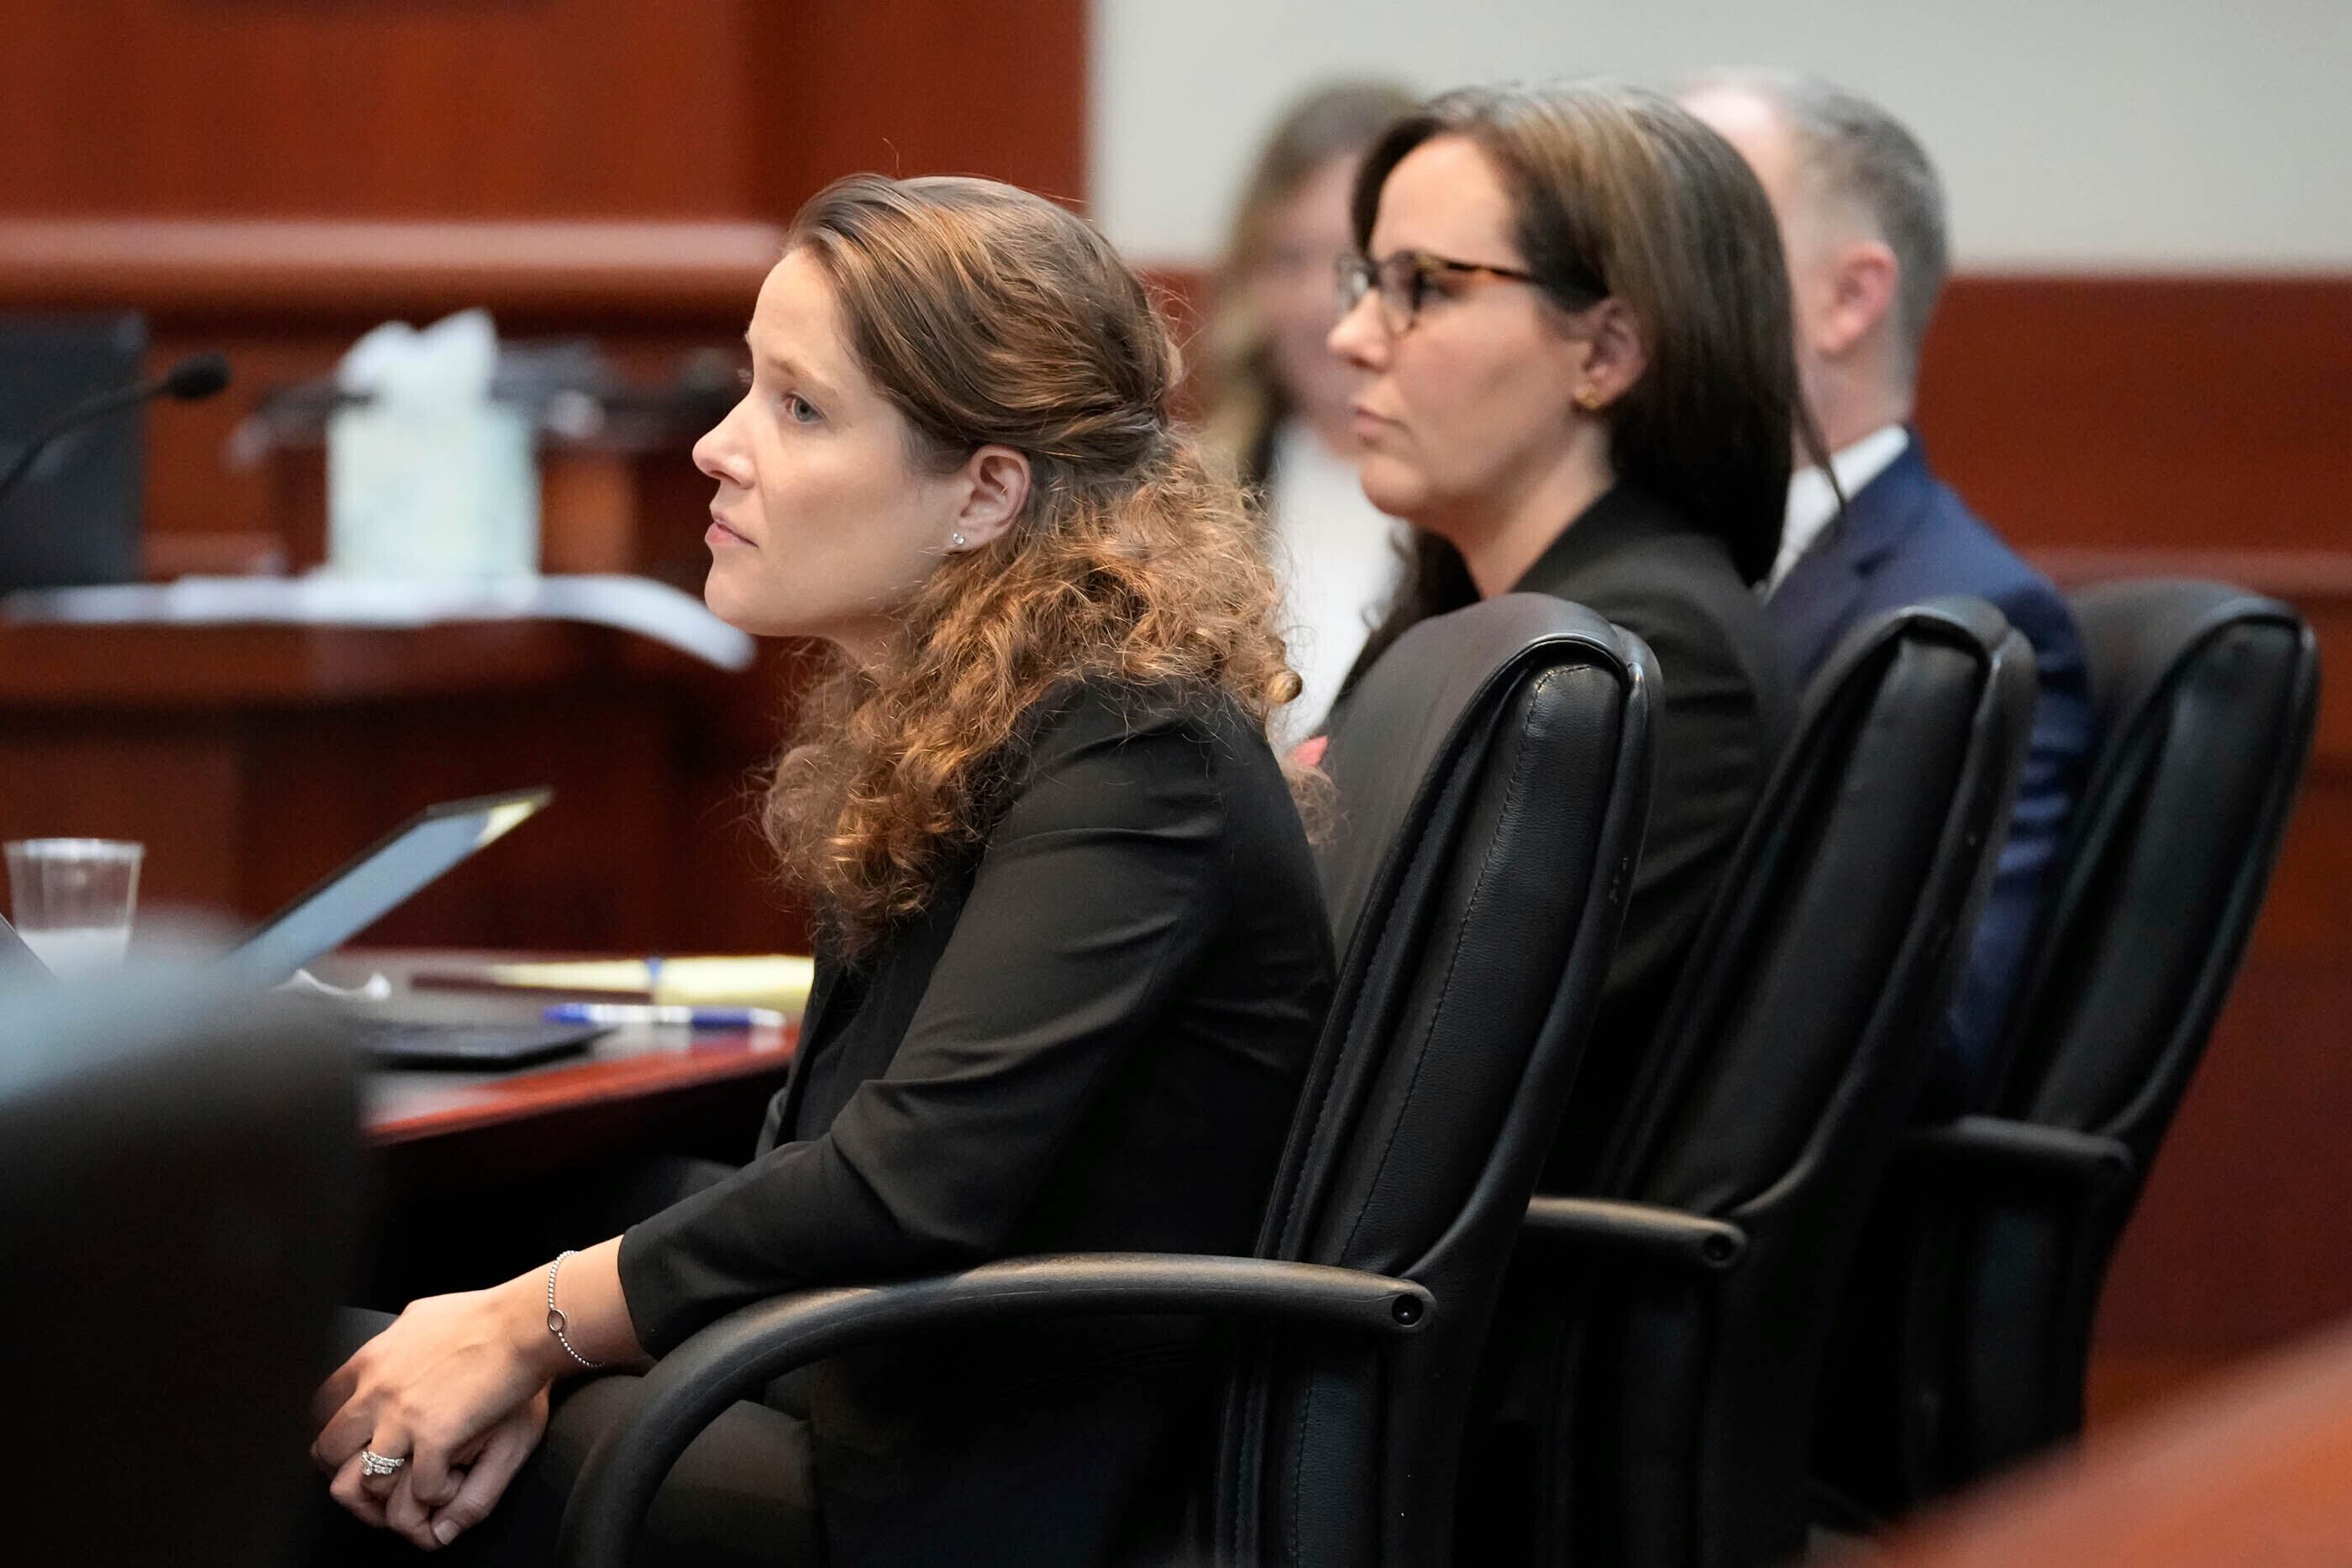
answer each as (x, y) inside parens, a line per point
(1725, 708)
(1906, 536)
(1091, 1040)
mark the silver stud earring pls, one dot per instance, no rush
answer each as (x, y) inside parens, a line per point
(956, 540)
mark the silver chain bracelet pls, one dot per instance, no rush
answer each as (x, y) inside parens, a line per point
(556, 1322)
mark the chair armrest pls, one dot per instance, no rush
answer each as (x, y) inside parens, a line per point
(1998, 1146)
(743, 1352)
(1667, 1234)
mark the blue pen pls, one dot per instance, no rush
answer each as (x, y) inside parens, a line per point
(687, 1018)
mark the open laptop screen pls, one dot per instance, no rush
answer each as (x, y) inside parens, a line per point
(17, 960)
(377, 881)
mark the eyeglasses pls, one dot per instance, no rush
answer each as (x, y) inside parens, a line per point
(1403, 281)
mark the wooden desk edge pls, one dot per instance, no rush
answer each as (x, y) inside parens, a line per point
(497, 1100)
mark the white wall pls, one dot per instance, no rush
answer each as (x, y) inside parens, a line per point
(2090, 134)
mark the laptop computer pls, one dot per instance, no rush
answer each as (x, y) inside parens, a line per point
(378, 880)
(373, 883)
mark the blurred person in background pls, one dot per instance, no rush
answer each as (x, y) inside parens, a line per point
(1572, 322)
(1278, 396)
(1862, 217)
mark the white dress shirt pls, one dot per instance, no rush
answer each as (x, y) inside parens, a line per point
(1812, 505)
(1338, 556)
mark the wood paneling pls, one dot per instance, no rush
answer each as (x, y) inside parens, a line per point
(500, 109)
(281, 272)
(2248, 1470)
(253, 760)
(913, 87)
(2147, 412)
(377, 108)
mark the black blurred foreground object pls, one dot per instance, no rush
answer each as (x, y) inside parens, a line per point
(1493, 770)
(1658, 1344)
(1967, 1334)
(178, 1204)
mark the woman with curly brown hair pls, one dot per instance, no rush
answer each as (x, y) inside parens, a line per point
(1072, 956)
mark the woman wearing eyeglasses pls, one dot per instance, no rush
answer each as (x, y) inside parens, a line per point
(1572, 321)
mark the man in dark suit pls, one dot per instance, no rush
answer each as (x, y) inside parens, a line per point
(1861, 219)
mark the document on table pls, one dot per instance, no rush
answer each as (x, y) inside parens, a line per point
(779, 981)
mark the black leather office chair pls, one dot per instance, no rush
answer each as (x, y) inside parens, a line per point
(178, 1211)
(1493, 775)
(1969, 1323)
(1660, 1336)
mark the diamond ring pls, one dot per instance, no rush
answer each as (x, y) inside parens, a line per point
(375, 1464)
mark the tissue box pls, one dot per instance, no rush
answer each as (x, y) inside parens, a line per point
(428, 474)
(432, 493)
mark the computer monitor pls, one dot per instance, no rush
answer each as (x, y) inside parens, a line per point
(74, 517)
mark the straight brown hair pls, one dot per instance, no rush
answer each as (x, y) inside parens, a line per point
(1622, 192)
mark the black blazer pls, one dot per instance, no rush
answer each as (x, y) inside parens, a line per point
(1091, 1040)
(1726, 707)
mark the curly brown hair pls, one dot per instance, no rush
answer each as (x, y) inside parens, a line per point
(990, 315)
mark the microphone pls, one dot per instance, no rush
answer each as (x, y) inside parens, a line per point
(198, 376)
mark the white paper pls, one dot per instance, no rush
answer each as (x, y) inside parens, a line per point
(429, 478)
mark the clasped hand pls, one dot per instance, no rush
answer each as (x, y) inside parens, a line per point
(453, 1387)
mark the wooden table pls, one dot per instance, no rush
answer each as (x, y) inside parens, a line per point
(2246, 1469)
(640, 1087)
(463, 1158)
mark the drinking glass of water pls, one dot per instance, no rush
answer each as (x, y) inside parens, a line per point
(74, 899)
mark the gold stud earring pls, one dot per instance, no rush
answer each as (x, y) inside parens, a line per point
(1588, 401)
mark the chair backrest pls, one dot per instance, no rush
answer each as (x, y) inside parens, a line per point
(2205, 696)
(1796, 1049)
(178, 1219)
(1492, 774)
